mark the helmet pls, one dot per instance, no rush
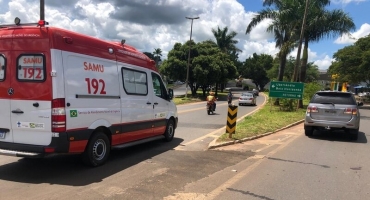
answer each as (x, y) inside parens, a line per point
(212, 93)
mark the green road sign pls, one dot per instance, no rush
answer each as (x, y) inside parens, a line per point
(287, 90)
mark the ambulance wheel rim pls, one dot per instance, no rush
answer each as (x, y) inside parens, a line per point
(99, 149)
(170, 130)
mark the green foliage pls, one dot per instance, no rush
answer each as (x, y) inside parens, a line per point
(352, 63)
(208, 64)
(312, 70)
(150, 55)
(256, 68)
(310, 89)
(288, 104)
(225, 41)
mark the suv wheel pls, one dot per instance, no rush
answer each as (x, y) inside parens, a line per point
(308, 131)
(353, 134)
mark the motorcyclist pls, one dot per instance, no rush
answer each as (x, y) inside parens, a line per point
(229, 97)
(211, 98)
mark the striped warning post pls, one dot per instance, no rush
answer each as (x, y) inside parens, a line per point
(231, 119)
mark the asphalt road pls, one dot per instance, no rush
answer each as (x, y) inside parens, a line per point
(197, 129)
(284, 165)
(289, 165)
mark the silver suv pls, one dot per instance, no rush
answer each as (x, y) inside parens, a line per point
(331, 110)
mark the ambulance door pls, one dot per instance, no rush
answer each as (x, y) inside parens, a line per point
(31, 97)
(161, 104)
(5, 124)
(136, 103)
(91, 94)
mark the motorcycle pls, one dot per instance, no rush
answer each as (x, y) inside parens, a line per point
(229, 99)
(210, 107)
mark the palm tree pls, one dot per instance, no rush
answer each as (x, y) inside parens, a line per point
(157, 55)
(283, 26)
(226, 42)
(321, 24)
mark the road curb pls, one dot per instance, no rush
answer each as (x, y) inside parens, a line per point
(214, 144)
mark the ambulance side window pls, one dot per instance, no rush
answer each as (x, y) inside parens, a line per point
(158, 86)
(2, 67)
(31, 68)
(134, 82)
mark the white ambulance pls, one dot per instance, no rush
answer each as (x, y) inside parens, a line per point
(64, 92)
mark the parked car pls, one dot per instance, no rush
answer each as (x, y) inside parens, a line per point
(247, 98)
(333, 110)
(179, 82)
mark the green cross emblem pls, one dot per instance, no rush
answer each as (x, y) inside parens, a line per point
(73, 113)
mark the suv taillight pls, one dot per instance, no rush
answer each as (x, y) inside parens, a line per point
(312, 109)
(58, 115)
(350, 111)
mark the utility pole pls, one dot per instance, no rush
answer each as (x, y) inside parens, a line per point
(187, 71)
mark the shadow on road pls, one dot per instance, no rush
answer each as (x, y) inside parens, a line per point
(69, 170)
(338, 136)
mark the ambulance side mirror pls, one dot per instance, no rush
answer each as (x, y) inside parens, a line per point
(170, 94)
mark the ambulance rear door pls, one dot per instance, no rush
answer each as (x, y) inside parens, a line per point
(5, 124)
(31, 87)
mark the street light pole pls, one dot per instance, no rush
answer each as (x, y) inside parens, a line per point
(187, 70)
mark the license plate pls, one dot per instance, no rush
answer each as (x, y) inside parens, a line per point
(330, 111)
(2, 135)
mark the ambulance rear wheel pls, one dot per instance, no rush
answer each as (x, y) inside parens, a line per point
(170, 131)
(97, 150)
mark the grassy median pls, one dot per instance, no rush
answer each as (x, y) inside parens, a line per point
(269, 118)
(197, 98)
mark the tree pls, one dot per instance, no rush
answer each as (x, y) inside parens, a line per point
(157, 53)
(322, 23)
(226, 42)
(150, 55)
(208, 64)
(256, 68)
(283, 26)
(312, 70)
(175, 65)
(352, 63)
(211, 65)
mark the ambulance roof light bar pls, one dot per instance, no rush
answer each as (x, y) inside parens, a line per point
(17, 22)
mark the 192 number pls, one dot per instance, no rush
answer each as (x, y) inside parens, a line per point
(95, 84)
(30, 72)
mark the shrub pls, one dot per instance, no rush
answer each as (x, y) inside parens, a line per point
(310, 89)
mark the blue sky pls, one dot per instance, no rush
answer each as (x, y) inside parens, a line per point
(150, 24)
(357, 9)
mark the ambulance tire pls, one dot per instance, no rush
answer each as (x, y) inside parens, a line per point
(170, 131)
(97, 150)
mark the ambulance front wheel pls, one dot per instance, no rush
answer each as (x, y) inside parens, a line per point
(170, 131)
(97, 150)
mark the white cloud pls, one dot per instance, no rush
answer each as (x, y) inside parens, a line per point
(265, 47)
(353, 37)
(155, 24)
(347, 1)
(324, 63)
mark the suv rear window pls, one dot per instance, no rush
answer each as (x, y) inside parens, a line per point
(334, 98)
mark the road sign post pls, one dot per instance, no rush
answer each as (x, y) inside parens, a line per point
(286, 90)
(231, 119)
